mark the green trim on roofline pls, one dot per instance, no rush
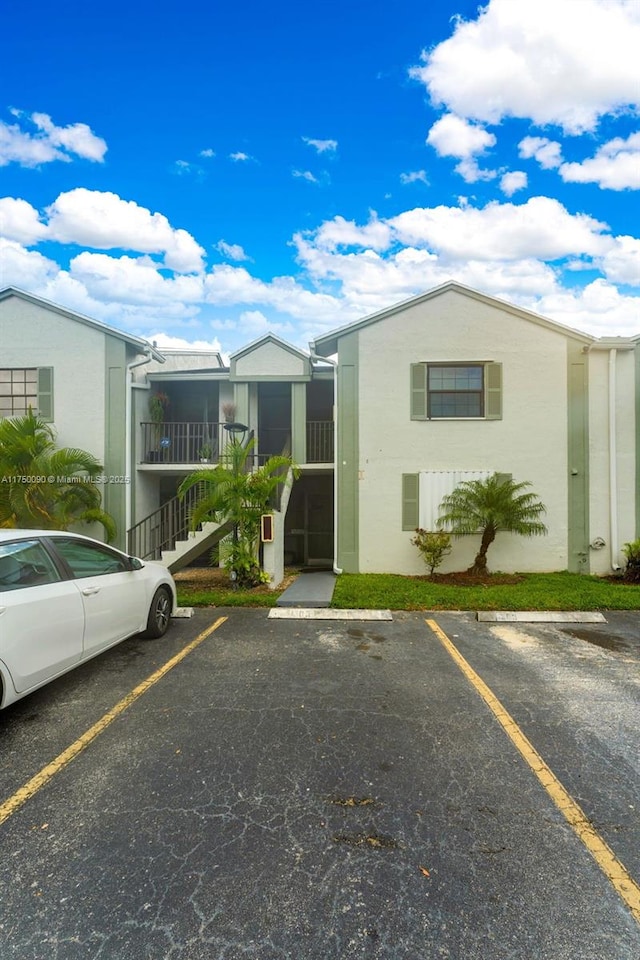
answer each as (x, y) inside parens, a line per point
(241, 400)
(299, 422)
(578, 458)
(348, 455)
(114, 458)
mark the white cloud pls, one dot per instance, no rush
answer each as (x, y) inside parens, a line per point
(208, 153)
(621, 263)
(615, 166)
(233, 251)
(77, 138)
(49, 144)
(132, 280)
(346, 233)
(304, 175)
(540, 228)
(414, 176)
(322, 146)
(166, 341)
(105, 221)
(20, 221)
(239, 157)
(452, 136)
(24, 268)
(471, 172)
(548, 153)
(253, 324)
(599, 309)
(226, 285)
(552, 61)
(513, 181)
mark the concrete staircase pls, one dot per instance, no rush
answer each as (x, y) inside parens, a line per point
(184, 551)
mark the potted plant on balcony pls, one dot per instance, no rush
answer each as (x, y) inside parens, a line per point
(158, 406)
(205, 453)
(229, 411)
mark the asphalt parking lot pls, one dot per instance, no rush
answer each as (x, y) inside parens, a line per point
(317, 790)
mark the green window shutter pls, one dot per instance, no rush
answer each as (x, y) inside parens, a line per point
(418, 391)
(493, 391)
(504, 477)
(45, 393)
(410, 501)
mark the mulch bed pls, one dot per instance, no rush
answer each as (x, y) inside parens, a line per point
(216, 578)
(462, 578)
(213, 578)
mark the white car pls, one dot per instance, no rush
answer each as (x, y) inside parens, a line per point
(65, 598)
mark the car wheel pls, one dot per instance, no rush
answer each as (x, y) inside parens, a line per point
(159, 614)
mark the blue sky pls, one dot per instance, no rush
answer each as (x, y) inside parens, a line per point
(204, 173)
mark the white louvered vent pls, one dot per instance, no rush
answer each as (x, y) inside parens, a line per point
(436, 484)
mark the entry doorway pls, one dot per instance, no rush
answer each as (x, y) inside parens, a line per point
(309, 522)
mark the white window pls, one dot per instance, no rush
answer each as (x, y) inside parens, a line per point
(457, 390)
(24, 387)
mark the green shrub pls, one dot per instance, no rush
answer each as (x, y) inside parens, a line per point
(632, 553)
(434, 545)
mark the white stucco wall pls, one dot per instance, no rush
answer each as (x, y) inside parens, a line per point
(32, 336)
(530, 442)
(602, 560)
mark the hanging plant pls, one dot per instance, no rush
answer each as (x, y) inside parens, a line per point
(229, 411)
(158, 406)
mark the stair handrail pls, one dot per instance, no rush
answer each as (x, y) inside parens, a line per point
(161, 529)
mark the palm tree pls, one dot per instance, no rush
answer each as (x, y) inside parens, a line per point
(491, 505)
(232, 493)
(45, 487)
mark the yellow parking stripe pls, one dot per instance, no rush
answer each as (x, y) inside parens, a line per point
(30, 788)
(604, 856)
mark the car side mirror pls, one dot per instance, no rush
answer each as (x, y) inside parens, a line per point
(136, 564)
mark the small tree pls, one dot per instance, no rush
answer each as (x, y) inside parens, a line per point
(489, 506)
(42, 486)
(434, 545)
(233, 493)
(632, 569)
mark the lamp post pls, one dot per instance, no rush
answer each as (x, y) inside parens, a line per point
(237, 432)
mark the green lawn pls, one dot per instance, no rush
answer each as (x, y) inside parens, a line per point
(535, 591)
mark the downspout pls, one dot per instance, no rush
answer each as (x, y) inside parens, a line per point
(149, 355)
(613, 462)
(334, 364)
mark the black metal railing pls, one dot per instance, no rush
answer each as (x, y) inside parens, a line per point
(162, 528)
(181, 442)
(189, 442)
(320, 441)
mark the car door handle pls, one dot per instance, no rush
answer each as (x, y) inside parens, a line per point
(90, 591)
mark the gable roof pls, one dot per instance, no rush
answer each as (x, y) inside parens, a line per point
(327, 345)
(141, 345)
(270, 338)
(296, 362)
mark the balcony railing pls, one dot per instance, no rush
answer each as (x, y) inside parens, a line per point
(320, 441)
(179, 442)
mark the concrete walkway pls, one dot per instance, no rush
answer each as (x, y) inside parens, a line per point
(309, 590)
